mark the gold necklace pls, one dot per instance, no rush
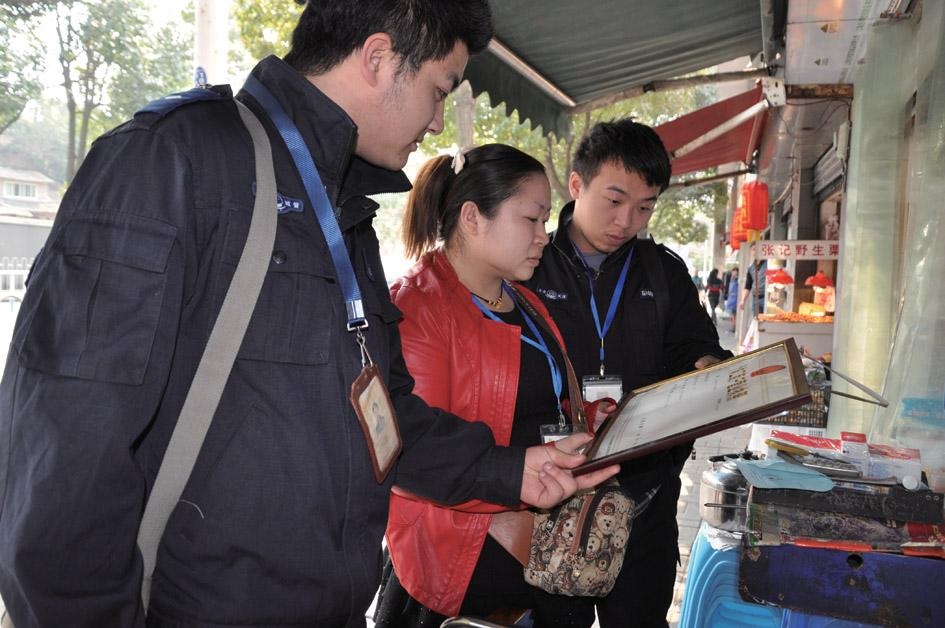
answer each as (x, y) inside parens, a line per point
(490, 302)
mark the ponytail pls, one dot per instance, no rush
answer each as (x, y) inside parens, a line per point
(491, 174)
(425, 205)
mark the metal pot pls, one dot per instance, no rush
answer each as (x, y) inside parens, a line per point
(723, 495)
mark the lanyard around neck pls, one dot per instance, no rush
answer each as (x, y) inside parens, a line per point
(318, 198)
(614, 300)
(539, 343)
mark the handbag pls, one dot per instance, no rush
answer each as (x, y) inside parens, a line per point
(577, 548)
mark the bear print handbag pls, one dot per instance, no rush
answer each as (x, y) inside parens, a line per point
(579, 546)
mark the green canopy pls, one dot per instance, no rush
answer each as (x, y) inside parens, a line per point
(589, 49)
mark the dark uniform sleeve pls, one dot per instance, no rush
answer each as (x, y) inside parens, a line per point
(90, 356)
(689, 333)
(445, 458)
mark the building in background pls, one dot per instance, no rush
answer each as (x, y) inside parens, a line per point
(28, 204)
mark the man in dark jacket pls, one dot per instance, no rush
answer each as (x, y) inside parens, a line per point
(282, 518)
(630, 316)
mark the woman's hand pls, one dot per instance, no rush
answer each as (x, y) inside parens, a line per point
(547, 479)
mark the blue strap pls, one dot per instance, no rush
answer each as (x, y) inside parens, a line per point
(614, 300)
(556, 379)
(318, 198)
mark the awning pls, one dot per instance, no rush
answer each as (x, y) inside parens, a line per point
(551, 55)
(725, 132)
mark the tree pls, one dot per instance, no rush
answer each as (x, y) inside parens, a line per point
(164, 66)
(675, 218)
(111, 63)
(38, 140)
(21, 58)
(265, 27)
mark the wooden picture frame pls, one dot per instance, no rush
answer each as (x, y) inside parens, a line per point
(739, 390)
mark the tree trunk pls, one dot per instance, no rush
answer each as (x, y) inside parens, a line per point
(465, 112)
(64, 63)
(560, 187)
(83, 134)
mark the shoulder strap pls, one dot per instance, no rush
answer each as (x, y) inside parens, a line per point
(576, 400)
(217, 360)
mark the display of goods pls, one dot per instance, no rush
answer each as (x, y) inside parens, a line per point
(794, 317)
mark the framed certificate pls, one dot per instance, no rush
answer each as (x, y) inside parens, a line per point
(739, 390)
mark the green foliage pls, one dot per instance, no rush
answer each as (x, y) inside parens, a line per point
(675, 218)
(21, 58)
(38, 140)
(163, 67)
(25, 9)
(113, 62)
(676, 213)
(265, 27)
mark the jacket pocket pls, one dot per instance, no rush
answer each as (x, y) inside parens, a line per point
(101, 287)
(295, 313)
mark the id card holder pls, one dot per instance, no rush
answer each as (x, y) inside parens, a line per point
(597, 387)
(378, 421)
(551, 432)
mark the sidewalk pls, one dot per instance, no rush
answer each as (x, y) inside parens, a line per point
(729, 441)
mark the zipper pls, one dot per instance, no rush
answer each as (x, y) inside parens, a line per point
(583, 528)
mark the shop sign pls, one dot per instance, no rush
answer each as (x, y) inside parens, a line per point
(797, 249)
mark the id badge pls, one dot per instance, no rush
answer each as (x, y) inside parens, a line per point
(597, 387)
(375, 412)
(551, 432)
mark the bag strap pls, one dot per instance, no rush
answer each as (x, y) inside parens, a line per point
(512, 529)
(217, 360)
(575, 398)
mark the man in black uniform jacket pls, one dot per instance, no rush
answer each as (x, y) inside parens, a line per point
(628, 310)
(282, 518)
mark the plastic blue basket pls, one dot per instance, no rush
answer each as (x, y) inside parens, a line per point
(711, 598)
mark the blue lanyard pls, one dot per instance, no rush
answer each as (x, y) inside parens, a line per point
(614, 300)
(318, 198)
(556, 380)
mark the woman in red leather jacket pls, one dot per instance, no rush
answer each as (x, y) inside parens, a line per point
(477, 353)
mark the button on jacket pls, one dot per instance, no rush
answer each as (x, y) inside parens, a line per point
(282, 519)
(468, 365)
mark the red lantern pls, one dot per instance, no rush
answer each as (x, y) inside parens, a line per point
(755, 201)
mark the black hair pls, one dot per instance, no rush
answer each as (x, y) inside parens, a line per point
(626, 142)
(492, 173)
(420, 30)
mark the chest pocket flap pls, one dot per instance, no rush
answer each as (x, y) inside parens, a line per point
(95, 300)
(297, 308)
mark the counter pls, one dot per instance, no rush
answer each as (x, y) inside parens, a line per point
(813, 338)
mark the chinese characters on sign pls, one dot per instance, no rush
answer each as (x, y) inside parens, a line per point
(797, 249)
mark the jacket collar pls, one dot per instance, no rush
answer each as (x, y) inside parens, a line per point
(561, 240)
(445, 273)
(330, 135)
